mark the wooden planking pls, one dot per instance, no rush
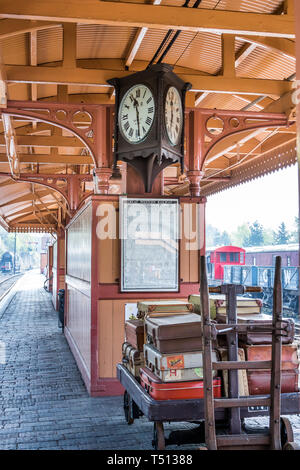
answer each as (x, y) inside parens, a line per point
(61, 247)
(110, 332)
(109, 252)
(79, 323)
(105, 338)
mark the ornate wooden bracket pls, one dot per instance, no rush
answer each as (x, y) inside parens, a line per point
(92, 124)
(69, 186)
(207, 127)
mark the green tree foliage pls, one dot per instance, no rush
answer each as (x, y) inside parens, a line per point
(282, 236)
(256, 237)
(216, 238)
(295, 232)
(241, 235)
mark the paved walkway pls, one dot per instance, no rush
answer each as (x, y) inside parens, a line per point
(43, 401)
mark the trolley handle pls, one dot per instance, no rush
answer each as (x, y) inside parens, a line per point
(253, 289)
(217, 290)
(214, 290)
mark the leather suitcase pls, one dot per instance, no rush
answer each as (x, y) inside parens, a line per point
(259, 337)
(242, 374)
(132, 359)
(218, 305)
(161, 307)
(175, 391)
(259, 380)
(170, 334)
(177, 367)
(134, 333)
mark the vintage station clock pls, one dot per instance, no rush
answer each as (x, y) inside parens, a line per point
(149, 120)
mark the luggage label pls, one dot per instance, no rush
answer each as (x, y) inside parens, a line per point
(175, 362)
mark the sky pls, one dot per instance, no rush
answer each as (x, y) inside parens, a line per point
(271, 199)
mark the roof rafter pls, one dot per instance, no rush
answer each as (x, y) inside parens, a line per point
(99, 77)
(151, 16)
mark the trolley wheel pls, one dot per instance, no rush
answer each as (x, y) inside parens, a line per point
(128, 408)
(291, 446)
(158, 436)
(286, 432)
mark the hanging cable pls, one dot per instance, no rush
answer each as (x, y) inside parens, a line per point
(167, 36)
(196, 4)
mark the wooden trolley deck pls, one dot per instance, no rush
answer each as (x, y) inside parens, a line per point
(191, 410)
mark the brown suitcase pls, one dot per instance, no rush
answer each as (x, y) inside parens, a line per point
(256, 337)
(134, 333)
(132, 359)
(259, 380)
(175, 334)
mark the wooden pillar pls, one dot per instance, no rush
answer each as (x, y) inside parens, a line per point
(58, 267)
(50, 266)
(297, 95)
(195, 151)
(73, 192)
(103, 137)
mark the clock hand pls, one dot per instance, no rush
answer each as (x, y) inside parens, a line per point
(136, 105)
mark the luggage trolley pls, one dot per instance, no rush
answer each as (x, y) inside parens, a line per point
(238, 437)
(212, 413)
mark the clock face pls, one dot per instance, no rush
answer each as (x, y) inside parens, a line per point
(136, 113)
(173, 115)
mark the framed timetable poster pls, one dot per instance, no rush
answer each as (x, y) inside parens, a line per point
(149, 231)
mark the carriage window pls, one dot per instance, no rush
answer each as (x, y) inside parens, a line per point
(241, 257)
(223, 257)
(234, 257)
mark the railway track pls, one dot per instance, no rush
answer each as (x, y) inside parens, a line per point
(7, 283)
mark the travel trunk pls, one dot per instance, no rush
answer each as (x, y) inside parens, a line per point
(259, 380)
(161, 307)
(132, 359)
(175, 391)
(177, 367)
(218, 304)
(134, 333)
(257, 337)
(176, 333)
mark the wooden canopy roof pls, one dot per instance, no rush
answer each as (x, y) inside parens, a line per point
(238, 54)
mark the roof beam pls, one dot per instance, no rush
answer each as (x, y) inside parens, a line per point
(45, 141)
(151, 16)
(70, 76)
(139, 36)
(54, 159)
(12, 27)
(285, 46)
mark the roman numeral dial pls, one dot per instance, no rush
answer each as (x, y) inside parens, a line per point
(173, 115)
(136, 113)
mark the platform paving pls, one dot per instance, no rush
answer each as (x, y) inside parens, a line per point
(43, 400)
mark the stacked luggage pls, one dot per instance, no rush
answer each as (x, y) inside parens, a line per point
(163, 349)
(173, 362)
(256, 346)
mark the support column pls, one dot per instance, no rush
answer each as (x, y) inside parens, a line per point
(103, 137)
(195, 151)
(58, 267)
(73, 192)
(297, 94)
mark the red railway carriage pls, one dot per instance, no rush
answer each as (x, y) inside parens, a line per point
(226, 255)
